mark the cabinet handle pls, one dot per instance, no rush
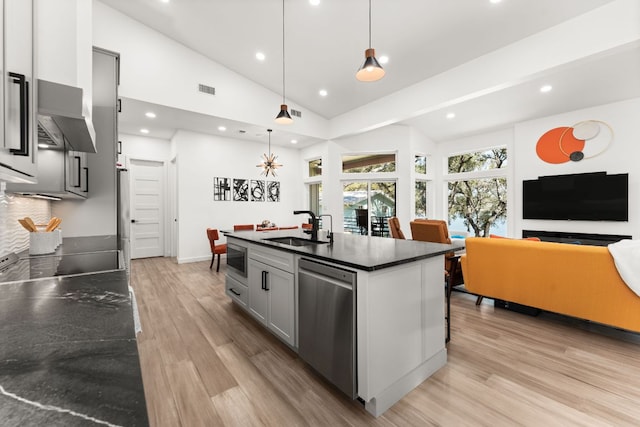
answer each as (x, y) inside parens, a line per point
(266, 280)
(86, 179)
(233, 291)
(21, 81)
(78, 169)
(119, 147)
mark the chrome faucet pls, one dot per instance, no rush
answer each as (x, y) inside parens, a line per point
(314, 223)
(330, 234)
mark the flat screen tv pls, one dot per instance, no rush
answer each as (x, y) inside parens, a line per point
(586, 197)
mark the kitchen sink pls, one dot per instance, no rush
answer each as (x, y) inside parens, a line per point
(295, 241)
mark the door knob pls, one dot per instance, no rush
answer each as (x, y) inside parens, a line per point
(133, 220)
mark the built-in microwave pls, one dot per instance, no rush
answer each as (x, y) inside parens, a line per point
(237, 259)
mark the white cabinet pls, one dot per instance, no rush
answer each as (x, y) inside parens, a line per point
(272, 294)
(18, 148)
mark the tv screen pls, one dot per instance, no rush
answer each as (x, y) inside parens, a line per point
(586, 196)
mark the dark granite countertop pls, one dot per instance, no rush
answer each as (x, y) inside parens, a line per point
(68, 354)
(351, 250)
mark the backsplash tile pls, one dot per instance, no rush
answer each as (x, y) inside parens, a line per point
(14, 238)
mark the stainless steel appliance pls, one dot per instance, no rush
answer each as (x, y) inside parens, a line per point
(123, 215)
(237, 259)
(326, 322)
(60, 112)
(44, 266)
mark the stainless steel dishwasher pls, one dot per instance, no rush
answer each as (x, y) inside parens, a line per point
(326, 322)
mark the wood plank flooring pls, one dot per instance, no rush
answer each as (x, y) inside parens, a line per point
(206, 362)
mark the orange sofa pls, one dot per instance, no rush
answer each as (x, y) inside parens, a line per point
(574, 280)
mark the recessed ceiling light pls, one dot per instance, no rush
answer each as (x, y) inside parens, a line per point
(260, 56)
(495, 1)
(150, 114)
(294, 141)
(546, 88)
(164, 1)
(383, 59)
(222, 128)
(451, 115)
(314, 2)
(43, 145)
(323, 92)
(144, 130)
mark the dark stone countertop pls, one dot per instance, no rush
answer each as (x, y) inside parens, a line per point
(68, 353)
(360, 252)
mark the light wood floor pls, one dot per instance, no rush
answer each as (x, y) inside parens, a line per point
(206, 363)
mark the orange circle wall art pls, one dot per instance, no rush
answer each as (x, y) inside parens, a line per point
(568, 143)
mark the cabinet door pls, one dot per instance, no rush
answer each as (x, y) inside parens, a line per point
(258, 294)
(74, 173)
(18, 148)
(281, 304)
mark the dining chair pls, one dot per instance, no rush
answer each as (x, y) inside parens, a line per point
(306, 226)
(394, 228)
(242, 227)
(220, 249)
(291, 227)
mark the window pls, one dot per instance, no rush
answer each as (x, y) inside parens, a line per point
(315, 198)
(315, 168)
(478, 161)
(420, 164)
(367, 205)
(369, 163)
(477, 197)
(421, 199)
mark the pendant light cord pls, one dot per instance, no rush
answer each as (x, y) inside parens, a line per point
(283, 89)
(369, 24)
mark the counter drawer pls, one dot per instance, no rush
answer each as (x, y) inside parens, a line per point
(274, 257)
(237, 291)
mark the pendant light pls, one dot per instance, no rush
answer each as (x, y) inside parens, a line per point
(283, 116)
(269, 164)
(371, 70)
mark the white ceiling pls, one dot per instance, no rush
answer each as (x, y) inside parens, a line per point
(422, 38)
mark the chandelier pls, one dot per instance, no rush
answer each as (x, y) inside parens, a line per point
(269, 164)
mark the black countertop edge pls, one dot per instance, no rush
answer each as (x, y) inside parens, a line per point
(365, 253)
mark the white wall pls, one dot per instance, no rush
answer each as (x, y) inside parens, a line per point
(621, 157)
(521, 140)
(203, 157)
(162, 71)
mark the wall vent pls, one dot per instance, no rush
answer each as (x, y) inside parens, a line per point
(296, 113)
(206, 89)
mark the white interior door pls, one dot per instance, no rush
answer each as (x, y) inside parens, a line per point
(147, 208)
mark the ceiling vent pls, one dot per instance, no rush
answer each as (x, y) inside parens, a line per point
(296, 113)
(206, 89)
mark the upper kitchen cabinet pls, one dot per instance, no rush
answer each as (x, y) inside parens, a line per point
(65, 48)
(65, 62)
(18, 149)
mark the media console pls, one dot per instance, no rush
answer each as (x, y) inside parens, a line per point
(575, 238)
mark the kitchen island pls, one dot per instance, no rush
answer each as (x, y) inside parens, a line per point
(399, 329)
(68, 355)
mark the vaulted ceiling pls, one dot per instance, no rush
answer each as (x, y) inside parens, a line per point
(325, 45)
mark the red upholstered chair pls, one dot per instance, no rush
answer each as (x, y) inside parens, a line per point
(241, 227)
(307, 226)
(292, 227)
(394, 228)
(220, 249)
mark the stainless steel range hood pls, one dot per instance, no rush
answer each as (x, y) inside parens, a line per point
(62, 105)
